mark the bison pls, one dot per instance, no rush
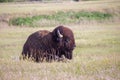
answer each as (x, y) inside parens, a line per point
(46, 45)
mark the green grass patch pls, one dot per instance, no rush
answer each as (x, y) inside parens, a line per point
(59, 18)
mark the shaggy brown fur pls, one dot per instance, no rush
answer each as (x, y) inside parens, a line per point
(49, 45)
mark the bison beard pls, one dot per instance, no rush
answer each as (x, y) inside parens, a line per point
(45, 45)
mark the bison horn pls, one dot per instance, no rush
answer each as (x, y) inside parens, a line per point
(59, 34)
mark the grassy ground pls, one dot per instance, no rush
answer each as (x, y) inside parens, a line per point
(96, 57)
(47, 8)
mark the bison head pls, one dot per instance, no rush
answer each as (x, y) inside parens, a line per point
(64, 40)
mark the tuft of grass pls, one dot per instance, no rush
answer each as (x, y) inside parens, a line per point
(60, 18)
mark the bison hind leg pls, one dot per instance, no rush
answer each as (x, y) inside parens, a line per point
(39, 57)
(23, 56)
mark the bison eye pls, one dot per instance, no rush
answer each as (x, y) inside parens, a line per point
(67, 40)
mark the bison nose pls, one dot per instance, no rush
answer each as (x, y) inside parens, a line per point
(73, 47)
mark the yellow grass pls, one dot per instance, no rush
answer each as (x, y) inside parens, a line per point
(96, 57)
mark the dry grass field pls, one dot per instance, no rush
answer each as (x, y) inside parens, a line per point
(96, 57)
